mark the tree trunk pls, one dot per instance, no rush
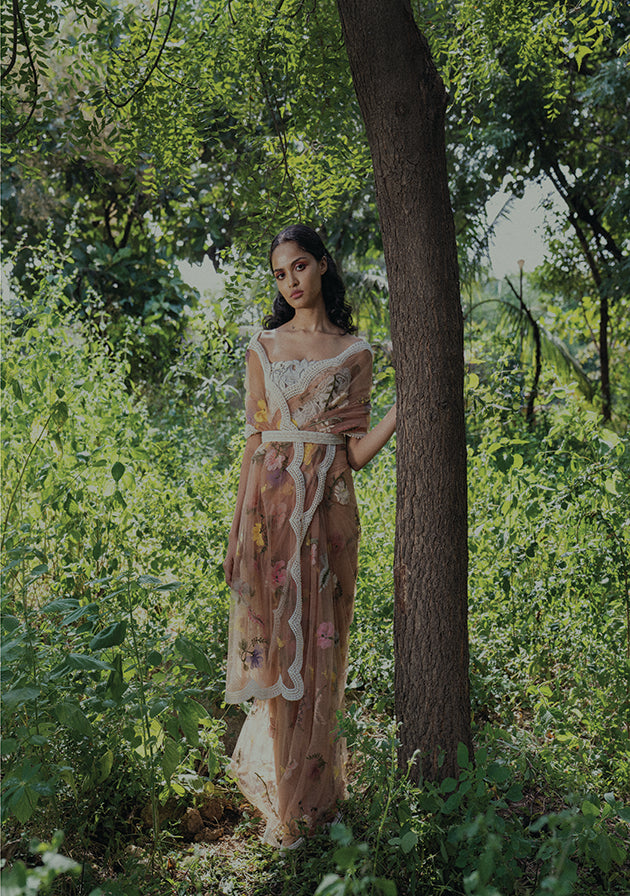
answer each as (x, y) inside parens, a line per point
(403, 102)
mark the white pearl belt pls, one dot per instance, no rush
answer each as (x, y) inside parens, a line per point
(310, 437)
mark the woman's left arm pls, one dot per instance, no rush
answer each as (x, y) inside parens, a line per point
(361, 451)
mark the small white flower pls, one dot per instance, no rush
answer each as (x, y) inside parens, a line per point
(340, 492)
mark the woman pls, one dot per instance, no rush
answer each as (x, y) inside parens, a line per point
(292, 554)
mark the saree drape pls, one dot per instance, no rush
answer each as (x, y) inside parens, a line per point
(293, 583)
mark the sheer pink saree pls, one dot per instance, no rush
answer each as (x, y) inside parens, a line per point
(293, 584)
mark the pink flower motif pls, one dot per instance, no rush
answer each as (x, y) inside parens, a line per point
(314, 554)
(325, 635)
(279, 572)
(274, 459)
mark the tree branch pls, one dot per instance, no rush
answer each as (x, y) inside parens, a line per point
(20, 22)
(154, 65)
(581, 209)
(12, 60)
(280, 134)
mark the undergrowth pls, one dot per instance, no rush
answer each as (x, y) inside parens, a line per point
(116, 505)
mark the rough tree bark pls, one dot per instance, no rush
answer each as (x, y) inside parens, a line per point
(403, 100)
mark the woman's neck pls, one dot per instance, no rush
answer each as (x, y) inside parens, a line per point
(310, 320)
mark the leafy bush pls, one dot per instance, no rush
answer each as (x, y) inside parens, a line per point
(107, 694)
(116, 505)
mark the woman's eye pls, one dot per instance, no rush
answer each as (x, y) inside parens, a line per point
(279, 276)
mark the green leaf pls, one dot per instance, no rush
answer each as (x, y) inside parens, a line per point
(589, 808)
(61, 605)
(103, 767)
(117, 471)
(23, 802)
(448, 785)
(59, 414)
(340, 833)
(148, 581)
(14, 882)
(498, 773)
(169, 586)
(408, 841)
(9, 622)
(81, 662)
(453, 802)
(609, 437)
(118, 499)
(193, 654)
(539, 824)
(331, 885)
(463, 760)
(580, 53)
(17, 390)
(346, 856)
(70, 715)
(188, 713)
(170, 758)
(20, 695)
(111, 636)
(40, 570)
(515, 793)
(116, 685)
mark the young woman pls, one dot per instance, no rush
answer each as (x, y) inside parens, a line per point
(292, 554)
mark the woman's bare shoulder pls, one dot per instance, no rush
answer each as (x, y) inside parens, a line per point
(355, 340)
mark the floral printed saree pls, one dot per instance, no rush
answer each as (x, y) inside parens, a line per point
(293, 583)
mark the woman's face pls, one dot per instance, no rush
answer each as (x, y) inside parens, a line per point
(298, 275)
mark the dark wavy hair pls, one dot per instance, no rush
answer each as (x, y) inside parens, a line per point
(338, 310)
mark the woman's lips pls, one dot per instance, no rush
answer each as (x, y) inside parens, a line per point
(297, 294)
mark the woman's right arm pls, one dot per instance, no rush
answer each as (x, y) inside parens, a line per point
(251, 445)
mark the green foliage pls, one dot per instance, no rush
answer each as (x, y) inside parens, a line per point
(537, 91)
(352, 860)
(116, 506)
(153, 140)
(475, 834)
(107, 684)
(549, 547)
(23, 881)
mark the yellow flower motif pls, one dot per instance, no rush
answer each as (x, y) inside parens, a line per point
(261, 415)
(259, 541)
(308, 453)
(281, 643)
